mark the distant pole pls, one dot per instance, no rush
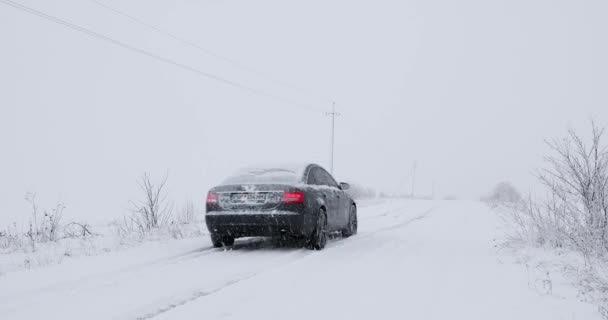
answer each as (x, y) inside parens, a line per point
(333, 115)
(414, 178)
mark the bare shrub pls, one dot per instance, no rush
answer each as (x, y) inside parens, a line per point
(537, 223)
(43, 226)
(46, 227)
(153, 217)
(574, 214)
(49, 228)
(124, 227)
(32, 232)
(577, 177)
(576, 211)
(153, 211)
(77, 230)
(11, 238)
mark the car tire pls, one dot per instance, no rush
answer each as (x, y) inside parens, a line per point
(216, 241)
(351, 229)
(220, 241)
(318, 238)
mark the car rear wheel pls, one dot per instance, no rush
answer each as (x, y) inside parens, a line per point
(351, 229)
(318, 238)
(220, 241)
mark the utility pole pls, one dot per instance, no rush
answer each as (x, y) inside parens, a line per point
(333, 115)
(414, 178)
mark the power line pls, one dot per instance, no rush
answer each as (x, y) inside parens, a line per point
(153, 55)
(206, 51)
(414, 168)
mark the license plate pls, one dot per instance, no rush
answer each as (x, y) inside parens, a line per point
(248, 198)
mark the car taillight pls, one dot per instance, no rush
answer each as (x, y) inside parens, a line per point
(211, 198)
(293, 197)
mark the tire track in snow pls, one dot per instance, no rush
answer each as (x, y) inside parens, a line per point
(384, 214)
(131, 269)
(406, 222)
(194, 296)
(205, 293)
(123, 271)
(371, 233)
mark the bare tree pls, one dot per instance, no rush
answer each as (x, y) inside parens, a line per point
(155, 209)
(576, 176)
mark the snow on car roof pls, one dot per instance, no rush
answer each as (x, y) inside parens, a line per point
(269, 174)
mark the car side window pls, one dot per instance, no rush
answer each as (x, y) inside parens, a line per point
(323, 178)
(333, 181)
(328, 180)
(314, 177)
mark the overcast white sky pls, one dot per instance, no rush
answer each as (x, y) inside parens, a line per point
(467, 89)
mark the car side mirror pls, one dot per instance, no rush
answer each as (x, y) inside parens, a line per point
(344, 186)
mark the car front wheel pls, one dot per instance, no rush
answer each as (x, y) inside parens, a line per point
(351, 229)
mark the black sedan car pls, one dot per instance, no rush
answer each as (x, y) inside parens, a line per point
(303, 202)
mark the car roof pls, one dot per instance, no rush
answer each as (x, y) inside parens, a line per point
(283, 173)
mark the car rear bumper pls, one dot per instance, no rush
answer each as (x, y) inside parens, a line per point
(248, 224)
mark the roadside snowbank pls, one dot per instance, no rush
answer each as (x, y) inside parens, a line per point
(105, 240)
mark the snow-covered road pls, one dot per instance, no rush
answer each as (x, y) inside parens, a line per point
(410, 260)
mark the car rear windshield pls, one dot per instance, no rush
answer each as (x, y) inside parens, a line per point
(266, 176)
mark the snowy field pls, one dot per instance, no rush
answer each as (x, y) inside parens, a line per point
(410, 260)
